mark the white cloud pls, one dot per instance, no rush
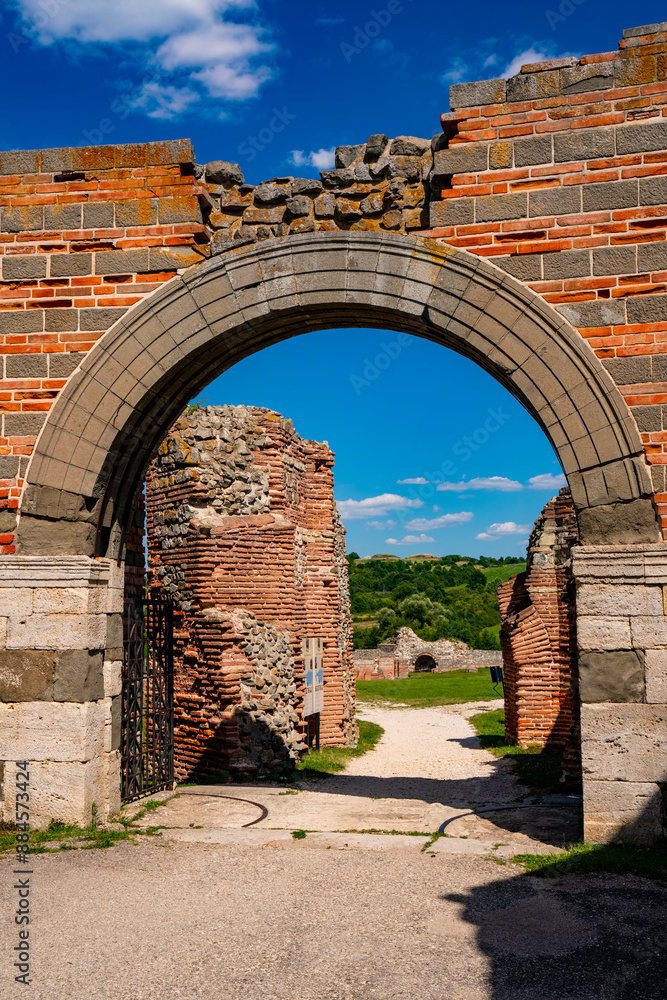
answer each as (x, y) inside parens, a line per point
(458, 69)
(410, 540)
(483, 483)
(502, 530)
(352, 510)
(490, 60)
(523, 542)
(420, 523)
(190, 40)
(547, 482)
(321, 159)
(419, 481)
(381, 524)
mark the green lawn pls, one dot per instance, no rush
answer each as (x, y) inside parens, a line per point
(583, 859)
(320, 763)
(500, 574)
(537, 768)
(456, 687)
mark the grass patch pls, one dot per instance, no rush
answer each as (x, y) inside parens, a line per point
(586, 859)
(456, 687)
(321, 763)
(68, 837)
(299, 834)
(537, 768)
(501, 574)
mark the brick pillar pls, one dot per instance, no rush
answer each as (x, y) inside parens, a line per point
(538, 640)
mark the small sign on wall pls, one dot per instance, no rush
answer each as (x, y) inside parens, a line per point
(313, 700)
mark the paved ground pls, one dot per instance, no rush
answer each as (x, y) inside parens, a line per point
(233, 912)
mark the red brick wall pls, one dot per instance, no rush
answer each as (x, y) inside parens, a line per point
(243, 533)
(537, 635)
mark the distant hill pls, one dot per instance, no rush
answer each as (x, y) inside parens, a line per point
(447, 597)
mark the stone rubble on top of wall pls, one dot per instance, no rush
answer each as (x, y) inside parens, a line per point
(378, 185)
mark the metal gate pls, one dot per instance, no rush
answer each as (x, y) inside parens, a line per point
(147, 727)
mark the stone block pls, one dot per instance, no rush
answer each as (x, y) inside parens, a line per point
(26, 675)
(615, 260)
(20, 161)
(610, 195)
(583, 79)
(79, 676)
(61, 320)
(122, 262)
(66, 790)
(624, 742)
(645, 29)
(99, 319)
(554, 201)
(464, 159)
(583, 144)
(407, 145)
(9, 468)
(346, 155)
(62, 365)
(629, 371)
(173, 211)
(609, 599)
(480, 92)
(567, 264)
(452, 212)
(501, 155)
(611, 677)
(649, 418)
(62, 217)
(641, 138)
(622, 811)
(652, 257)
(647, 309)
(27, 366)
(113, 678)
(64, 265)
(656, 676)
(114, 631)
(140, 212)
(23, 266)
(599, 633)
(99, 215)
(648, 632)
(634, 72)
(376, 145)
(222, 172)
(61, 600)
(46, 730)
(610, 312)
(653, 191)
(16, 321)
(15, 601)
(533, 86)
(536, 149)
(84, 631)
(494, 208)
(28, 218)
(525, 267)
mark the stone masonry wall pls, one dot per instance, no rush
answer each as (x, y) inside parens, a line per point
(244, 536)
(396, 657)
(538, 638)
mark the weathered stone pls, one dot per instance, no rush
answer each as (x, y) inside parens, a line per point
(306, 185)
(325, 206)
(462, 159)
(591, 314)
(113, 680)
(611, 677)
(452, 212)
(346, 155)
(66, 790)
(525, 267)
(376, 146)
(641, 138)
(533, 86)
(26, 675)
(607, 599)
(623, 811)
(79, 676)
(583, 144)
(270, 194)
(647, 309)
(409, 145)
(470, 95)
(537, 149)
(222, 172)
(299, 206)
(337, 178)
(26, 366)
(492, 208)
(56, 731)
(23, 266)
(656, 676)
(59, 631)
(572, 264)
(601, 633)
(583, 79)
(501, 155)
(615, 260)
(610, 195)
(624, 742)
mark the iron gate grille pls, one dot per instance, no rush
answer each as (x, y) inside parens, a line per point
(147, 738)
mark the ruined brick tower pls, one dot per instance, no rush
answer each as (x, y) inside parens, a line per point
(244, 535)
(538, 639)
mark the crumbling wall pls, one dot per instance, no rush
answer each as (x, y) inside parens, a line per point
(243, 534)
(538, 637)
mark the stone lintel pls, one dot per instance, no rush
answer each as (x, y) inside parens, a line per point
(53, 571)
(620, 564)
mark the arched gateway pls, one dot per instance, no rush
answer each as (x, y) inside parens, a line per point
(99, 436)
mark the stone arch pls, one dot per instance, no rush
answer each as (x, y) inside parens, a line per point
(109, 419)
(424, 662)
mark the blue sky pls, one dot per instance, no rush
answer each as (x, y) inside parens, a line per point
(276, 86)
